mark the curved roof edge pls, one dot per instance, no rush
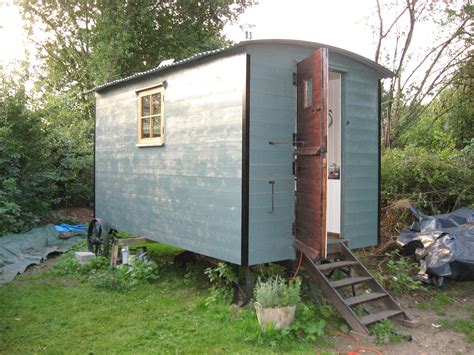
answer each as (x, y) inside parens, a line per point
(381, 70)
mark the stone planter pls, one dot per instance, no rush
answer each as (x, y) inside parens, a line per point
(280, 316)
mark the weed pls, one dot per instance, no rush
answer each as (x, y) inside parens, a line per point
(69, 265)
(399, 270)
(125, 277)
(385, 332)
(222, 278)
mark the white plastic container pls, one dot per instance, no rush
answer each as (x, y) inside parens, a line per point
(125, 254)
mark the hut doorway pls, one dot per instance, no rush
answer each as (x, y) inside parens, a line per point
(334, 173)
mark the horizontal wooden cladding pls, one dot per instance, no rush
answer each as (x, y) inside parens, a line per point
(360, 154)
(188, 192)
(273, 108)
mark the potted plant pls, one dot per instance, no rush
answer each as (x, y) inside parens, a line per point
(276, 301)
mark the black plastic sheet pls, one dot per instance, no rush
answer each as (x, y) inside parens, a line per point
(444, 244)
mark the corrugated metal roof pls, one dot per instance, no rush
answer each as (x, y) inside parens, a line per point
(382, 71)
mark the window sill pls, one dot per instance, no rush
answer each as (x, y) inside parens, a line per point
(146, 145)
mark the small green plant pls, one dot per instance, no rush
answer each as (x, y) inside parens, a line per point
(309, 325)
(222, 278)
(276, 292)
(125, 277)
(385, 332)
(68, 265)
(399, 270)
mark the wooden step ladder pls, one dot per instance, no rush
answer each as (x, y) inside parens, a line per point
(355, 293)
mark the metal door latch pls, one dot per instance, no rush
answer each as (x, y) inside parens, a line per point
(272, 182)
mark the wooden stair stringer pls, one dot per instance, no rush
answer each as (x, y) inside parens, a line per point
(387, 307)
(403, 318)
(331, 294)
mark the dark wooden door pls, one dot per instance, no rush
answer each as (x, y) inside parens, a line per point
(311, 137)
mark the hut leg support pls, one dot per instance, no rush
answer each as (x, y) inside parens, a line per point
(244, 289)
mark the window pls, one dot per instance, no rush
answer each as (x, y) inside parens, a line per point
(150, 116)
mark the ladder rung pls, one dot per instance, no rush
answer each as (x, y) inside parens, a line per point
(337, 264)
(350, 281)
(372, 318)
(366, 297)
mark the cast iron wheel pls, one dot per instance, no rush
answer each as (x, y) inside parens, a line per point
(98, 238)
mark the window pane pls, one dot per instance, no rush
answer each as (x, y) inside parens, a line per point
(145, 106)
(157, 126)
(156, 103)
(146, 127)
(308, 92)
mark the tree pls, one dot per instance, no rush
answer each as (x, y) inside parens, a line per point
(420, 75)
(88, 42)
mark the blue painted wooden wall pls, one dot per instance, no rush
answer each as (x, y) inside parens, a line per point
(186, 193)
(272, 118)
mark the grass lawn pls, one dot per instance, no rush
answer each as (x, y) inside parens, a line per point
(45, 313)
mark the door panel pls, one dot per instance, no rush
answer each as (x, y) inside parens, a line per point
(311, 134)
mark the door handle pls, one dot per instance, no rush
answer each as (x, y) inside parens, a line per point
(272, 182)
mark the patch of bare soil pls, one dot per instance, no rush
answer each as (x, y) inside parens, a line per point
(83, 215)
(429, 337)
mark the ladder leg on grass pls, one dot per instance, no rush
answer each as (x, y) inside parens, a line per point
(374, 303)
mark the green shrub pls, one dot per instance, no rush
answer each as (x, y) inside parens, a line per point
(222, 278)
(385, 332)
(45, 162)
(125, 277)
(276, 292)
(69, 265)
(437, 181)
(399, 271)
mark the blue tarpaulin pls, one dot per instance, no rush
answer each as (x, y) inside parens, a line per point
(61, 228)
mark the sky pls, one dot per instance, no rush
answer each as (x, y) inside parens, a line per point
(340, 23)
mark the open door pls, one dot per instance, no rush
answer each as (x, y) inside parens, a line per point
(310, 169)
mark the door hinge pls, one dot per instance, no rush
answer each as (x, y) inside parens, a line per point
(293, 228)
(294, 79)
(294, 167)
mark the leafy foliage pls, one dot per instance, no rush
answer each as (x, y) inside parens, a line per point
(385, 332)
(44, 162)
(276, 292)
(437, 180)
(309, 325)
(27, 181)
(398, 274)
(90, 42)
(222, 278)
(126, 277)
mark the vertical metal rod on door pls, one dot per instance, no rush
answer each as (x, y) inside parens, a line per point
(272, 182)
